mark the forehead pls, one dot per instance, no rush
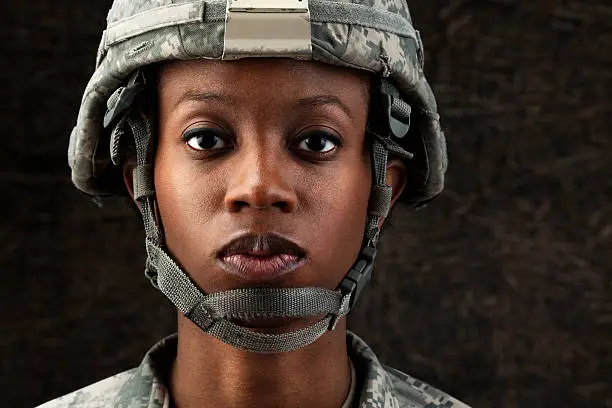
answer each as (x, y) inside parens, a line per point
(246, 76)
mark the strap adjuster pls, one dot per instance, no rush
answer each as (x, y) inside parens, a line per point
(359, 275)
(120, 102)
(391, 114)
(201, 316)
(398, 112)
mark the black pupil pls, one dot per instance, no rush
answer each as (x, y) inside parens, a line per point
(316, 143)
(206, 140)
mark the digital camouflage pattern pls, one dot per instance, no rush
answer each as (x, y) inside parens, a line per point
(143, 387)
(372, 35)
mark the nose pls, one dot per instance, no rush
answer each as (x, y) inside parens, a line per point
(260, 182)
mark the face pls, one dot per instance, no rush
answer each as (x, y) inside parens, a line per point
(262, 147)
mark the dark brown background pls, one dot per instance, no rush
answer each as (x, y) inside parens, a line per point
(498, 293)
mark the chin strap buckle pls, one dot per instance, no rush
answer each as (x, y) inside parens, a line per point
(358, 276)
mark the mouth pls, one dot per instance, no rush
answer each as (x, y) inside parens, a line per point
(256, 257)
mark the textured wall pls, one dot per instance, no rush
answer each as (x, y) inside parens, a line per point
(499, 292)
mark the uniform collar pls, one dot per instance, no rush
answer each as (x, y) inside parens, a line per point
(147, 385)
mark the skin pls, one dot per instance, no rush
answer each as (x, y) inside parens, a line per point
(265, 177)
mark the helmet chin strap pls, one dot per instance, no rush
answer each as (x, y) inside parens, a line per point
(216, 313)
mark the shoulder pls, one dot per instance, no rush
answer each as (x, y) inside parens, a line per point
(384, 386)
(98, 395)
(413, 393)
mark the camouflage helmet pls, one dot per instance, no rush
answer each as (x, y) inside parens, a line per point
(372, 35)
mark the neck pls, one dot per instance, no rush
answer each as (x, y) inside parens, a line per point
(209, 373)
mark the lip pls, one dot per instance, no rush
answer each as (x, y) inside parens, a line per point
(260, 257)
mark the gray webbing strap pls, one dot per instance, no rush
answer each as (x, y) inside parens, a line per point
(171, 280)
(379, 185)
(379, 158)
(143, 181)
(246, 339)
(383, 145)
(380, 201)
(142, 132)
(240, 303)
(273, 302)
(401, 110)
(144, 190)
(211, 312)
(387, 88)
(115, 141)
(391, 146)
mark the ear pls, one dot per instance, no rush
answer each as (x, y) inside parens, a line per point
(128, 179)
(396, 177)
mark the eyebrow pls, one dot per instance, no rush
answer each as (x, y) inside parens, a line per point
(194, 96)
(320, 100)
(309, 101)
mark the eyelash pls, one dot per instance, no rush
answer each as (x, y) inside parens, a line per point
(190, 134)
(336, 140)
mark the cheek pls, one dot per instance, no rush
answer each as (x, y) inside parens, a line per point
(329, 220)
(341, 220)
(172, 191)
(185, 202)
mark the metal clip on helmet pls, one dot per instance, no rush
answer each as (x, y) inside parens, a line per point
(373, 35)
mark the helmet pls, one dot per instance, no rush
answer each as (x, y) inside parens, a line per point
(372, 35)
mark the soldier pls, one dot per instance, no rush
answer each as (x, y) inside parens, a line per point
(263, 184)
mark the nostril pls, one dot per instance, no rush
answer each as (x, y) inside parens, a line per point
(284, 206)
(238, 205)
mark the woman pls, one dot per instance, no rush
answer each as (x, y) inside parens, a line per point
(261, 182)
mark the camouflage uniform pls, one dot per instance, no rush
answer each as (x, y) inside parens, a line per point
(377, 386)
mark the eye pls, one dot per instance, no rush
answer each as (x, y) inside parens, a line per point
(203, 139)
(319, 142)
